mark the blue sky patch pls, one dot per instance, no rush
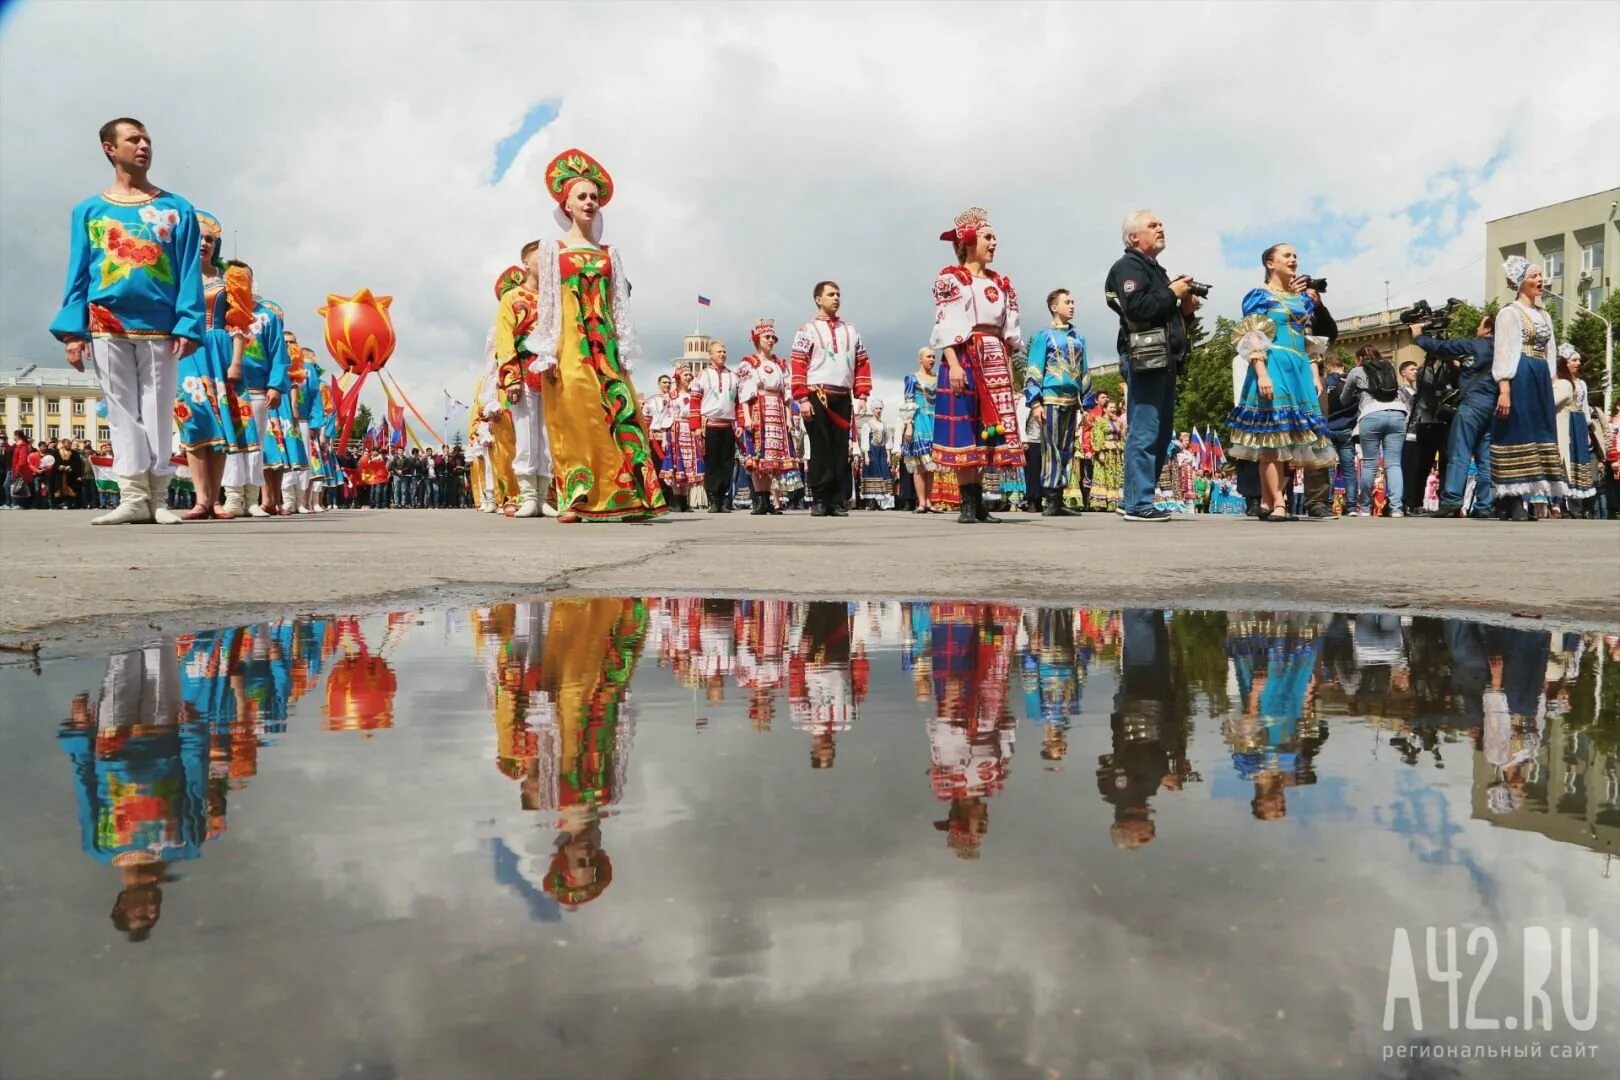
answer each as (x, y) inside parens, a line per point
(534, 121)
(1320, 238)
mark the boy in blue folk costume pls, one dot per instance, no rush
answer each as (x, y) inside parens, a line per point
(1053, 386)
(141, 772)
(264, 381)
(133, 305)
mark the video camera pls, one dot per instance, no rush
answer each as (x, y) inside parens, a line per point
(1434, 322)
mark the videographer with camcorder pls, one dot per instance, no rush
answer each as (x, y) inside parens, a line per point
(1469, 437)
(1153, 348)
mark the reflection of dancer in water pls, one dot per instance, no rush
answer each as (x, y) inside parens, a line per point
(1513, 705)
(821, 691)
(590, 652)
(511, 641)
(761, 652)
(1275, 741)
(1052, 678)
(141, 776)
(1150, 731)
(971, 735)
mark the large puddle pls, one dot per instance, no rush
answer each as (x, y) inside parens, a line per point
(682, 837)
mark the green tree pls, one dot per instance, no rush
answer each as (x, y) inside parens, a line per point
(1205, 398)
(362, 423)
(1587, 335)
(1110, 383)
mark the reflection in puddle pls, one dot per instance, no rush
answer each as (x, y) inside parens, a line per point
(1208, 734)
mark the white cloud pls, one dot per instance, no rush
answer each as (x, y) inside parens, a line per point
(757, 148)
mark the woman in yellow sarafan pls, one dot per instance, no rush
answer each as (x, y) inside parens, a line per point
(491, 440)
(584, 346)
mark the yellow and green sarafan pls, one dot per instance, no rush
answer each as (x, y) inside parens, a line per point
(603, 458)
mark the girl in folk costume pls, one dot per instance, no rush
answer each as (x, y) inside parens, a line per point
(1525, 462)
(491, 436)
(284, 451)
(763, 402)
(584, 345)
(519, 387)
(1278, 419)
(211, 418)
(917, 427)
(1574, 439)
(318, 415)
(305, 389)
(877, 478)
(976, 329)
(683, 467)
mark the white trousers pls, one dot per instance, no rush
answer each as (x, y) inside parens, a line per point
(247, 470)
(141, 687)
(532, 456)
(137, 377)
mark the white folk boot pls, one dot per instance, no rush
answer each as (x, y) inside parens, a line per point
(251, 492)
(157, 488)
(317, 497)
(235, 502)
(545, 493)
(528, 497)
(134, 504)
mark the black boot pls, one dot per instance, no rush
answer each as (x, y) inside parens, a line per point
(979, 508)
(761, 504)
(818, 508)
(970, 512)
(1054, 505)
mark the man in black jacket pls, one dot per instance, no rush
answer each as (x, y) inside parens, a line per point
(1469, 438)
(1319, 482)
(1145, 298)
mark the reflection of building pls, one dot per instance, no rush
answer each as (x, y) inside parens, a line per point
(1574, 242)
(1571, 792)
(52, 403)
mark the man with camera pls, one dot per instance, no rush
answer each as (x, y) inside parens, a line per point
(1470, 436)
(1153, 348)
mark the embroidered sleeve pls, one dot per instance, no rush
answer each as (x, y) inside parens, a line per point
(629, 344)
(804, 343)
(953, 309)
(1012, 333)
(908, 400)
(73, 321)
(863, 368)
(1035, 368)
(548, 313)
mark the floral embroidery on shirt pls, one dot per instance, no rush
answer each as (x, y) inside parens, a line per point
(125, 253)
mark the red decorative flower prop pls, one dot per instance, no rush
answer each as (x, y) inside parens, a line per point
(359, 331)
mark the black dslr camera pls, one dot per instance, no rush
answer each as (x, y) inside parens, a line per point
(1198, 289)
(1434, 322)
(1317, 283)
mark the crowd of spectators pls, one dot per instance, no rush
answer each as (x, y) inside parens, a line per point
(52, 474)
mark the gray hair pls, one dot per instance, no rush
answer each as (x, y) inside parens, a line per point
(1133, 221)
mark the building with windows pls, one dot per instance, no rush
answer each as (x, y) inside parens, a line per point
(696, 354)
(1576, 244)
(52, 403)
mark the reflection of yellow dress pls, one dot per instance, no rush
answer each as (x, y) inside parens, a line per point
(604, 469)
(498, 455)
(591, 652)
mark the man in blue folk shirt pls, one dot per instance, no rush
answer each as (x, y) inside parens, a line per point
(133, 307)
(1053, 385)
(1470, 437)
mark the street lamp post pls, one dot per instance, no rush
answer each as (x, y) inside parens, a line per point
(1608, 350)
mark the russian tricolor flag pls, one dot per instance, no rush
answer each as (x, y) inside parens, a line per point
(703, 301)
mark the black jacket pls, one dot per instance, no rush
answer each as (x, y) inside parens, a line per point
(1474, 356)
(1138, 289)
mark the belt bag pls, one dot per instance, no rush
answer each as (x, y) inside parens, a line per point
(1149, 350)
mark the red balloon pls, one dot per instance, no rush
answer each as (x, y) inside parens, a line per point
(359, 331)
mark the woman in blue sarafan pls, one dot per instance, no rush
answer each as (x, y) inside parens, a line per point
(284, 449)
(212, 418)
(1278, 419)
(1525, 460)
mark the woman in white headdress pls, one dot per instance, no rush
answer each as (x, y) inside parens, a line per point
(1525, 461)
(877, 478)
(1574, 437)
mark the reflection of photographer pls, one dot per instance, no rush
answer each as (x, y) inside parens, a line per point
(1472, 401)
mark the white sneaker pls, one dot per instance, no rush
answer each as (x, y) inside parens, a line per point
(1397, 513)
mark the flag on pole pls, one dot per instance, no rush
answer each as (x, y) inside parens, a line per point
(1200, 451)
(1217, 452)
(703, 301)
(396, 424)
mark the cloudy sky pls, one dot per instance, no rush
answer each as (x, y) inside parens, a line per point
(759, 147)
